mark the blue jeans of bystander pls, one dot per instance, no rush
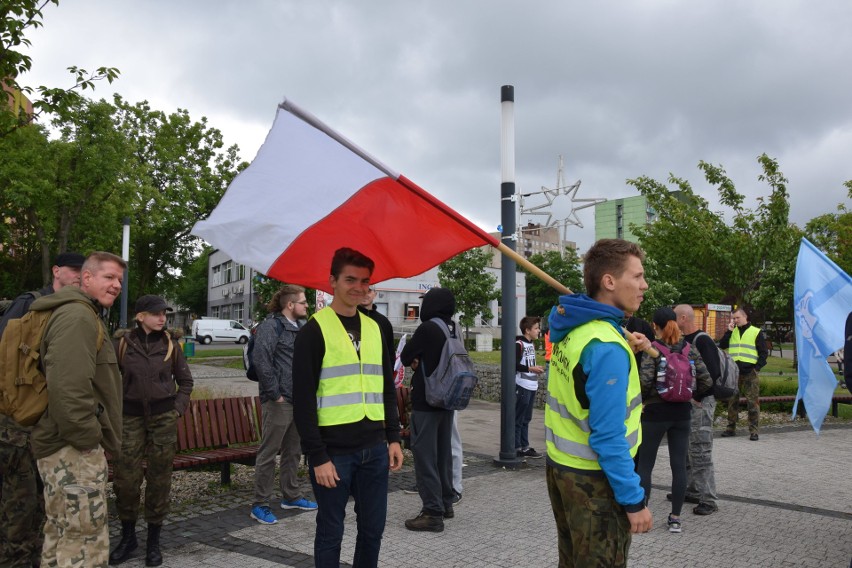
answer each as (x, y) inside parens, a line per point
(364, 475)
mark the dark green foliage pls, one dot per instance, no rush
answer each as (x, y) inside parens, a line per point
(473, 286)
(749, 261)
(565, 268)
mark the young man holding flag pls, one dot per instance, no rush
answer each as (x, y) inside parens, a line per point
(592, 424)
(345, 410)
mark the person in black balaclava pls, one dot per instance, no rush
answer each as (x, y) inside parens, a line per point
(431, 427)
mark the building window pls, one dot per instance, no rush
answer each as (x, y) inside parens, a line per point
(214, 311)
(228, 272)
(238, 312)
(241, 272)
(650, 214)
(412, 311)
(217, 275)
(226, 312)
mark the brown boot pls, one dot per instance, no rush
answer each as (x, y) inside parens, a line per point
(425, 522)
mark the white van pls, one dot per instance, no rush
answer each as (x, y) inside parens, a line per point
(207, 330)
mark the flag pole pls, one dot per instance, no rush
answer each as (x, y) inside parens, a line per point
(526, 264)
(559, 287)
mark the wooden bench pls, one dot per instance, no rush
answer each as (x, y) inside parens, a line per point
(217, 431)
(835, 400)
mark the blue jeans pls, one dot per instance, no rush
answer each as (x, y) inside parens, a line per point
(524, 401)
(364, 475)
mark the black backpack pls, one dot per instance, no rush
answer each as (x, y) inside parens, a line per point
(251, 372)
(451, 384)
(6, 304)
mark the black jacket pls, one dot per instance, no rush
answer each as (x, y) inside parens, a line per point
(21, 305)
(427, 343)
(386, 328)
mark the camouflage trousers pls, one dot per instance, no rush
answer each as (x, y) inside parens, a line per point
(21, 507)
(76, 532)
(701, 479)
(593, 529)
(152, 438)
(749, 388)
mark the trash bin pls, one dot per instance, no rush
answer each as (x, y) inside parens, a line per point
(189, 348)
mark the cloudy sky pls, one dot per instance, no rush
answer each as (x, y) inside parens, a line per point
(619, 89)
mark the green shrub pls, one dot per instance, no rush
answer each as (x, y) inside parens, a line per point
(774, 387)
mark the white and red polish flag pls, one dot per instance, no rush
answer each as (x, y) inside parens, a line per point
(310, 191)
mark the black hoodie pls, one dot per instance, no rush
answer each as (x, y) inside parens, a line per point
(427, 342)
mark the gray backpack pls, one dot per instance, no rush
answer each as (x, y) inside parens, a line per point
(450, 385)
(728, 382)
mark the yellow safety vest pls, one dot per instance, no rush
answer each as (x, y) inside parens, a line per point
(350, 388)
(743, 348)
(566, 422)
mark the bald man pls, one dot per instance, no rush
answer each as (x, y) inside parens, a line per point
(701, 480)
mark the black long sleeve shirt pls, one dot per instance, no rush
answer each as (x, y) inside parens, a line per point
(320, 442)
(759, 344)
(709, 354)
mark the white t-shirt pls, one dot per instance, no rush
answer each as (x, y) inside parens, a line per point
(528, 381)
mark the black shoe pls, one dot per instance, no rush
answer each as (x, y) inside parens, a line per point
(729, 433)
(449, 513)
(457, 497)
(153, 557)
(529, 453)
(126, 546)
(687, 498)
(425, 522)
(705, 508)
(754, 437)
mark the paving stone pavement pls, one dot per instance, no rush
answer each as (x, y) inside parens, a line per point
(785, 501)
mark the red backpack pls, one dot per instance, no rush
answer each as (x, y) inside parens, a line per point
(675, 374)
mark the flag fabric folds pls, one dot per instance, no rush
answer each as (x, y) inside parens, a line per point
(310, 191)
(822, 295)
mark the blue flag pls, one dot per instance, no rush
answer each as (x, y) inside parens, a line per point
(822, 295)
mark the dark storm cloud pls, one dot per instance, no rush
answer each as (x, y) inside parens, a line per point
(619, 89)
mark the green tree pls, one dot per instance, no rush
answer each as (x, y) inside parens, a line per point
(191, 289)
(832, 234)
(17, 17)
(474, 287)
(710, 260)
(64, 193)
(180, 171)
(565, 268)
(659, 293)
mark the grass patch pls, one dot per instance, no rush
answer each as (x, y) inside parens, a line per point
(230, 352)
(779, 367)
(487, 357)
(235, 364)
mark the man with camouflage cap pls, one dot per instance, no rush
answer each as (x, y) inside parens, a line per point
(21, 500)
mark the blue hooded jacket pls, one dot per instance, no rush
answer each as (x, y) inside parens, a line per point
(607, 367)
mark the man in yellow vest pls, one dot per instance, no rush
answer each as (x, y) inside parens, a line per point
(344, 405)
(594, 403)
(747, 345)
